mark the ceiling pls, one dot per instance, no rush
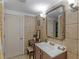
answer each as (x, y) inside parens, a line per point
(34, 7)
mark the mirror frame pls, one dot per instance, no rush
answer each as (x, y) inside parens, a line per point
(63, 32)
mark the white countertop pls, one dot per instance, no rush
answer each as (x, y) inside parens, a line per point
(52, 51)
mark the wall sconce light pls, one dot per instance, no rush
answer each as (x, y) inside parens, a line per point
(73, 5)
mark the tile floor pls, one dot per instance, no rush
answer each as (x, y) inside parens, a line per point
(18, 57)
(21, 57)
(1, 56)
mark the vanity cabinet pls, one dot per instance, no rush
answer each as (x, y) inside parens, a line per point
(37, 53)
(45, 56)
(41, 54)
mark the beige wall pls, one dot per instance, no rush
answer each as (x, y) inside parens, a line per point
(0, 18)
(1, 55)
(72, 33)
(42, 27)
(29, 28)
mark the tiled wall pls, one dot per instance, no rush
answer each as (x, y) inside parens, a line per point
(29, 28)
(0, 18)
(78, 31)
(1, 55)
(42, 28)
(72, 33)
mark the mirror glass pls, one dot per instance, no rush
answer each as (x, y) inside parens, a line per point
(56, 23)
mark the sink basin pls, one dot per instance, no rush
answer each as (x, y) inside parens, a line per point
(52, 49)
(60, 47)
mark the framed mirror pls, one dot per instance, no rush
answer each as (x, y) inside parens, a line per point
(56, 23)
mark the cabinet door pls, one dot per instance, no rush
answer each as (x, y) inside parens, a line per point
(45, 56)
(37, 53)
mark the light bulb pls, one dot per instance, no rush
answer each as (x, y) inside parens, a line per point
(71, 1)
(43, 15)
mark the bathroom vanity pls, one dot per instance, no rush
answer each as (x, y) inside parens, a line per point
(46, 50)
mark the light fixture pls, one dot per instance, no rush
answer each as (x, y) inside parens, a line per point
(73, 5)
(43, 15)
(71, 1)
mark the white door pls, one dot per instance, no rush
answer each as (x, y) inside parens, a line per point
(14, 42)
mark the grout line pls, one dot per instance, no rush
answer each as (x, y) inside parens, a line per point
(77, 30)
(71, 38)
(72, 52)
(72, 23)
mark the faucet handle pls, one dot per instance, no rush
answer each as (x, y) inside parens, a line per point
(61, 48)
